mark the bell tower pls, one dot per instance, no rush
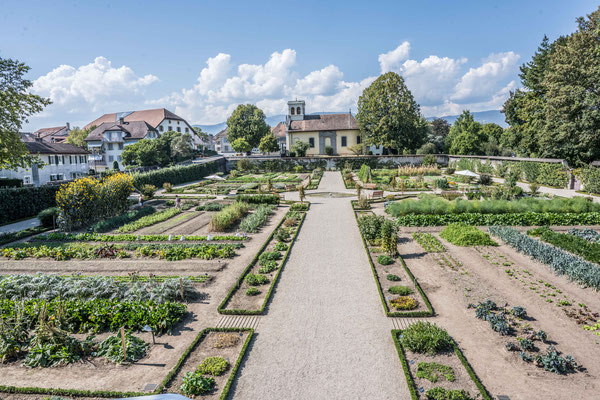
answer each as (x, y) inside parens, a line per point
(296, 110)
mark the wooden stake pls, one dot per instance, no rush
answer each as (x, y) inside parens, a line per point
(123, 341)
(181, 287)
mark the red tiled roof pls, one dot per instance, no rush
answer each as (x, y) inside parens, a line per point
(133, 130)
(324, 122)
(153, 117)
(279, 130)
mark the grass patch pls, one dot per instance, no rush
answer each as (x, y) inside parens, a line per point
(464, 235)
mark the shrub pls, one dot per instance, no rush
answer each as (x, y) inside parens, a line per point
(385, 260)
(442, 183)
(280, 246)
(392, 277)
(168, 187)
(252, 291)
(290, 222)
(195, 384)
(370, 226)
(229, 215)
(427, 338)
(299, 207)
(214, 366)
(389, 237)
(10, 183)
(464, 235)
(449, 171)
(176, 175)
(329, 150)
(48, 216)
(404, 303)
(148, 191)
(244, 165)
(401, 290)
(25, 202)
(591, 179)
(485, 179)
(282, 235)
(268, 256)
(112, 348)
(268, 267)
(256, 279)
(429, 159)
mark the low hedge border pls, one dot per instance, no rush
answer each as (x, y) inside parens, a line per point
(412, 387)
(167, 379)
(222, 310)
(182, 197)
(430, 311)
(25, 233)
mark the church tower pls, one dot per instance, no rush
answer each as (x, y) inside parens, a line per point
(296, 110)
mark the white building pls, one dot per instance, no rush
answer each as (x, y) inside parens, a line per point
(59, 162)
(160, 119)
(107, 141)
(222, 145)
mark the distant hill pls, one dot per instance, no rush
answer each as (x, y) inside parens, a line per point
(484, 117)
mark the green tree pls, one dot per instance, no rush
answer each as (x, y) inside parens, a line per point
(438, 130)
(268, 144)
(143, 153)
(182, 147)
(465, 135)
(247, 122)
(16, 104)
(300, 148)
(389, 116)
(77, 136)
(241, 145)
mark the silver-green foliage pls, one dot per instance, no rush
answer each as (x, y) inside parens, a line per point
(49, 287)
(563, 263)
(258, 218)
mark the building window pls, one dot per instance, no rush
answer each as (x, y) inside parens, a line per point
(178, 129)
(27, 180)
(111, 158)
(344, 141)
(293, 110)
(298, 111)
(119, 158)
(161, 128)
(51, 160)
(187, 130)
(311, 141)
(82, 159)
(170, 128)
(120, 146)
(358, 140)
(177, 122)
(109, 146)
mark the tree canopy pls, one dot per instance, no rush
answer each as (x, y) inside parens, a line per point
(557, 113)
(77, 136)
(170, 147)
(16, 104)
(247, 122)
(466, 136)
(268, 144)
(389, 116)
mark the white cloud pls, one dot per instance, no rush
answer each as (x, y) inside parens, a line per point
(441, 84)
(80, 93)
(392, 60)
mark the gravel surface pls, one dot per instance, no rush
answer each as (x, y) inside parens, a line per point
(325, 335)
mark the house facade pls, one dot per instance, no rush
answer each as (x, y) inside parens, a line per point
(222, 145)
(107, 141)
(320, 131)
(57, 134)
(160, 119)
(59, 162)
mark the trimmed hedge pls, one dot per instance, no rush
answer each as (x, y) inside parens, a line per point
(412, 387)
(591, 179)
(25, 202)
(176, 175)
(258, 198)
(514, 219)
(11, 183)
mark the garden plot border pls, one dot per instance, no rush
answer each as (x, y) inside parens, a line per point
(166, 380)
(410, 380)
(430, 311)
(222, 310)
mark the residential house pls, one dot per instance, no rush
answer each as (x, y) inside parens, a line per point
(58, 162)
(279, 131)
(107, 141)
(222, 145)
(320, 131)
(57, 134)
(160, 119)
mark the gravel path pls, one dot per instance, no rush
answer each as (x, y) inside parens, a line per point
(325, 335)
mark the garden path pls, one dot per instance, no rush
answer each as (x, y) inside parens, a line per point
(325, 335)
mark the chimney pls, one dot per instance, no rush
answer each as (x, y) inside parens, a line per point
(68, 126)
(122, 121)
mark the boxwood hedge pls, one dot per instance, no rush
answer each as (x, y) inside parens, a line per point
(176, 175)
(25, 202)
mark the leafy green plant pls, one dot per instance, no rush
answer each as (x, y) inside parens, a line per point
(149, 220)
(268, 267)
(392, 277)
(112, 348)
(427, 338)
(370, 226)
(257, 219)
(508, 219)
(433, 371)
(109, 224)
(401, 290)
(388, 237)
(440, 393)
(280, 247)
(385, 260)
(252, 291)
(195, 384)
(215, 366)
(272, 199)
(429, 242)
(588, 250)
(256, 279)
(229, 215)
(404, 303)
(464, 235)
(48, 217)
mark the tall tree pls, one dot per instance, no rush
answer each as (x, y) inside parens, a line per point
(465, 135)
(268, 144)
(247, 122)
(389, 116)
(77, 136)
(16, 104)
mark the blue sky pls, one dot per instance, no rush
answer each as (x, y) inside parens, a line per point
(200, 59)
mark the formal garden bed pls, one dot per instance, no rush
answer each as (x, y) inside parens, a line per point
(434, 366)
(253, 288)
(399, 290)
